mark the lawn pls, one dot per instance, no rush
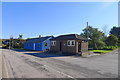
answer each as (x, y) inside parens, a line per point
(101, 51)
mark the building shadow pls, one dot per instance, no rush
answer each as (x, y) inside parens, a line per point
(47, 55)
(22, 50)
(43, 54)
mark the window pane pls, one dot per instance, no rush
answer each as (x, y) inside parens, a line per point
(54, 43)
(68, 43)
(73, 43)
(51, 43)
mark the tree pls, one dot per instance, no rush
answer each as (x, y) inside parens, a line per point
(95, 36)
(20, 36)
(105, 30)
(112, 40)
(119, 42)
(115, 31)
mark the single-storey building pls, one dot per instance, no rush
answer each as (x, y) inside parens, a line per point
(70, 43)
(38, 44)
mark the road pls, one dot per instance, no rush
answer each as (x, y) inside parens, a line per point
(30, 64)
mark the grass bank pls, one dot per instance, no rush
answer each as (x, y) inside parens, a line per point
(100, 51)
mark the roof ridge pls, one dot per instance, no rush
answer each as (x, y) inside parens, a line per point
(76, 35)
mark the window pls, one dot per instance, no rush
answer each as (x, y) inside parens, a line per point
(68, 42)
(71, 43)
(45, 44)
(53, 43)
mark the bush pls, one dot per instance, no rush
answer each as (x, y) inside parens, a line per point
(109, 47)
(112, 40)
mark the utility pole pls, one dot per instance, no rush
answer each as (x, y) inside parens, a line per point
(10, 41)
(87, 30)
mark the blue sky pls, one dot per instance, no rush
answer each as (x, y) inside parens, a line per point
(55, 18)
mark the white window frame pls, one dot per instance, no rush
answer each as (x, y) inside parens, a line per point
(67, 43)
(53, 43)
(71, 42)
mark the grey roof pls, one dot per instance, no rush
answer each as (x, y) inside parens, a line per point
(69, 37)
(38, 40)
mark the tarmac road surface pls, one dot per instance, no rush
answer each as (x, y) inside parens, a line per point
(30, 64)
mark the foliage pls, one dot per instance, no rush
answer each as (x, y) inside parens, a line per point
(14, 43)
(0, 42)
(112, 40)
(98, 40)
(17, 43)
(109, 47)
(101, 51)
(115, 31)
(119, 41)
(20, 36)
(95, 37)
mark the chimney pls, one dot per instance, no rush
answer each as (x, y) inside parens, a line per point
(39, 36)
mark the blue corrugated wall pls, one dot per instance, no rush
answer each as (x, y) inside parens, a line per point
(30, 46)
(38, 46)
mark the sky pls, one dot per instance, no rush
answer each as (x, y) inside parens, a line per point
(32, 19)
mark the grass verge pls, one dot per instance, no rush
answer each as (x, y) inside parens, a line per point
(100, 51)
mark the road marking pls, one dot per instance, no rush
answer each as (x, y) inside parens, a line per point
(61, 72)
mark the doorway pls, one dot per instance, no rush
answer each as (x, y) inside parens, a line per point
(60, 46)
(79, 46)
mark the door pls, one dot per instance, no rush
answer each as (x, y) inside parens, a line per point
(60, 46)
(79, 46)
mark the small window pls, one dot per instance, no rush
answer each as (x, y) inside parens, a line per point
(68, 43)
(53, 43)
(71, 43)
(46, 44)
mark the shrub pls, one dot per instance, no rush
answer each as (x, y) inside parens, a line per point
(109, 47)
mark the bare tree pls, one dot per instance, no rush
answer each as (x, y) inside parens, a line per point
(105, 30)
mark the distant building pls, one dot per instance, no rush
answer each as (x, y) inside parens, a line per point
(38, 44)
(71, 43)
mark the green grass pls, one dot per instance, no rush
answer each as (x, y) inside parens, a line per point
(101, 51)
